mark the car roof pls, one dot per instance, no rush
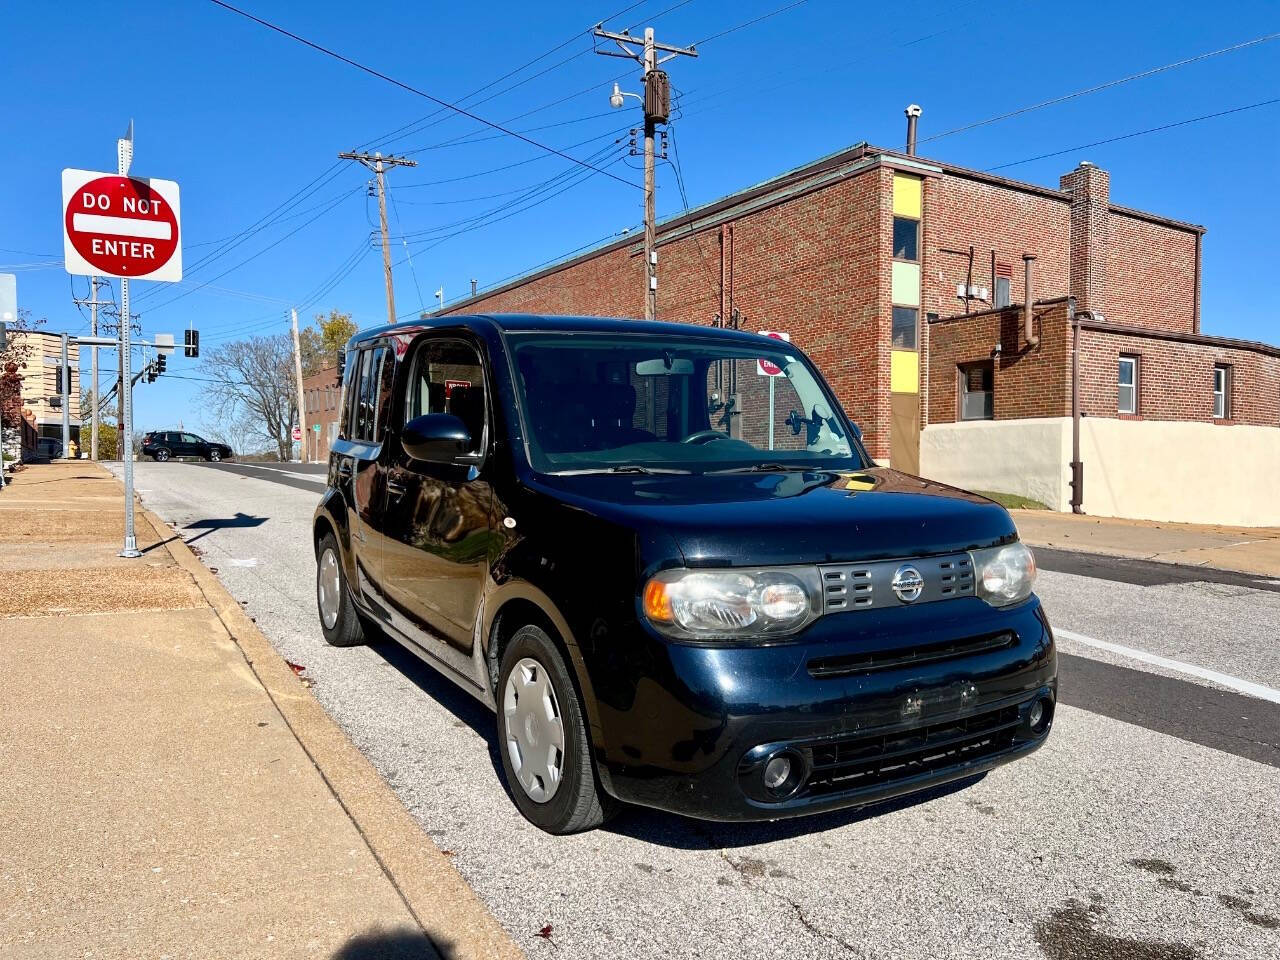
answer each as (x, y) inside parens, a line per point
(545, 323)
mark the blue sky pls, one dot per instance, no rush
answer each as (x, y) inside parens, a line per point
(244, 118)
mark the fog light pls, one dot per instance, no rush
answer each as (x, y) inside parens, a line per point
(1036, 714)
(776, 772)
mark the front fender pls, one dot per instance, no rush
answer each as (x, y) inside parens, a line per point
(332, 511)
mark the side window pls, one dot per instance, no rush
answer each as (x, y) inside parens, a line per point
(190, 438)
(448, 377)
(372, 394)
(350, 383)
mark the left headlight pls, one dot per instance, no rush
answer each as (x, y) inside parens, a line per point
(758, 602)
(1004, 575)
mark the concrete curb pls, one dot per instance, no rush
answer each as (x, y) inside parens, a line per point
(445, 906)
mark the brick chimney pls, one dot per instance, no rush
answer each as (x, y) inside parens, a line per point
(1090, 190)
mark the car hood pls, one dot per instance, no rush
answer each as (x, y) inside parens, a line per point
(813, 516)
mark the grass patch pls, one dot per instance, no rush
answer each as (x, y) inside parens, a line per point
(1011, 501)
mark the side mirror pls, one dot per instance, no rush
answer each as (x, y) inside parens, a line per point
(435, 438)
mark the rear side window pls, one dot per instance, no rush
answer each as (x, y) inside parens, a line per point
(448, 377)
(369, 388)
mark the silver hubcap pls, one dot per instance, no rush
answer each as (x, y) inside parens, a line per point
(162, 455)
(535, 730)
(215, 455)
(328, 585)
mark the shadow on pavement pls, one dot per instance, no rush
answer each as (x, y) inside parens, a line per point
(445, 692)
(683, 833)
(212, 524)
(397, 945)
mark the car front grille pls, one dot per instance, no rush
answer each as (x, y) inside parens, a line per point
(866, 586)
(858, 763)
(852, 664)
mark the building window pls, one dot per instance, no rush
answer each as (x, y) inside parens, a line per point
(1127, 384)
(976, 380)
(1003, 296)
(904, 328)
(906, 239)
(1222, 391)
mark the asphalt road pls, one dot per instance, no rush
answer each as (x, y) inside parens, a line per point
(1146, 829)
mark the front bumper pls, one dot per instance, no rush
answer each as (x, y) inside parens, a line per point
(866, 705)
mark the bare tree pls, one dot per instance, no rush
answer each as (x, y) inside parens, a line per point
(253, 380)
(244, 435)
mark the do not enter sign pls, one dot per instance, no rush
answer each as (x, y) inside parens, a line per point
(116, 226)
(765, 368)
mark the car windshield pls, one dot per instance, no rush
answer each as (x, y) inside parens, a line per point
(616, 403)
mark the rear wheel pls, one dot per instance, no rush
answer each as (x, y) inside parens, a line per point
(338, 618)
(215, 456)
(162, 454)
(542, 737)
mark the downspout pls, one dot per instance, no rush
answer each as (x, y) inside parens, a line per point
(1077, 468)
(1028, 323)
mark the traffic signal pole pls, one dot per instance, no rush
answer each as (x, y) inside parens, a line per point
(64, 388)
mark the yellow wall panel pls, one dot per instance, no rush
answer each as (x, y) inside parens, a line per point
(907, 196)
(904, 372)
(906, 284)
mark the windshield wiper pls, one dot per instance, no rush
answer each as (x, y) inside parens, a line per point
(620, 468)
(770, 467)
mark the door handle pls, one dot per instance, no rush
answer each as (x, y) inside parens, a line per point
(396, 489)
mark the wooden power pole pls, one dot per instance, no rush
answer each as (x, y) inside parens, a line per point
(379, 165)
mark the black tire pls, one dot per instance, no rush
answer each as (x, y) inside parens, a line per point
(161, 455)
(345, 631)
(579, 802)
(215, 456)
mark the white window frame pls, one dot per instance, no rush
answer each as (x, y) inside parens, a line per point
(1135, 366)
(1221, 391)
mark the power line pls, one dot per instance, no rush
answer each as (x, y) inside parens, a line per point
(414, 90)
(749, 23)
(1103, 86)
(1137, 133)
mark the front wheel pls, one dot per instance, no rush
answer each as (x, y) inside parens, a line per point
(542, 737)
(214, 456)
(338, 618)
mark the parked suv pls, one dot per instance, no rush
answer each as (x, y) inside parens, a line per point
(662, 555)
(174, 443)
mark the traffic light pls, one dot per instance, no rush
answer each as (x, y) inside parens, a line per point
(151, 373)
(191, 344)
(60, 373)
(161, 362)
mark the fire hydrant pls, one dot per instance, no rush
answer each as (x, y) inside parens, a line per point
(73, 450)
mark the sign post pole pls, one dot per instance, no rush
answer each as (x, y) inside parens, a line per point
(124, 151)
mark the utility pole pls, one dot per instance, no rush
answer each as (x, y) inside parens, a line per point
(379, 165)
(302, 409)
(93, 303)
(657, 109)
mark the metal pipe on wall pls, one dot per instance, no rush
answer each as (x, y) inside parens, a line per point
(1077, 468)
(1028, 322)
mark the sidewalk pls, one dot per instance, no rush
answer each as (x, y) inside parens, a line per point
(169, 787)
(1253, 550)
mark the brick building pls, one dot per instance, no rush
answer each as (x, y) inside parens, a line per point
(321, 395)
(40, 382)
(903, 278)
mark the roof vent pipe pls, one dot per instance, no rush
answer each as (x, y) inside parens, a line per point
(1028, 328)
(913, 114)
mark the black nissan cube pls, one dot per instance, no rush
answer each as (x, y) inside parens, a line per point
(662, 555)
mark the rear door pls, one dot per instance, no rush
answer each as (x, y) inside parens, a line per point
(356, 460)
(438, 517)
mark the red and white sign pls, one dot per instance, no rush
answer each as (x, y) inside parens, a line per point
(763, 367)
(451, 385)
(115, 226)
(297, 433)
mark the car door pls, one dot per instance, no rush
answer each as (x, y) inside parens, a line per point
(356, 455)
(193, 446)
(438, 517)
(173, 441)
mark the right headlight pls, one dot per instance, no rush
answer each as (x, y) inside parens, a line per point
(1004, 575)
(755, 603)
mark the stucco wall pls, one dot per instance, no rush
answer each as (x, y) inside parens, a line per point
(1189, 472)
(1026, 457)
(1142, 469)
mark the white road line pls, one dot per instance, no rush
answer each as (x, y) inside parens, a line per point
(297, 474)
(1222, 679)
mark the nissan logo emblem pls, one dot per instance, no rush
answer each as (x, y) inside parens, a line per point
(907, 583)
